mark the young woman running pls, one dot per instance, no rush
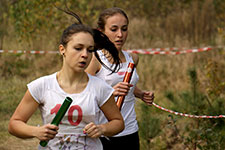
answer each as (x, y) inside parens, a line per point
(79, 128)
(113, 22)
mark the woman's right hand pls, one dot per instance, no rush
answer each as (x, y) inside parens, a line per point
(121, 88)
(46, 132)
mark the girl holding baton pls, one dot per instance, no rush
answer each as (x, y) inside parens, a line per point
(114, 23)
(79, 128)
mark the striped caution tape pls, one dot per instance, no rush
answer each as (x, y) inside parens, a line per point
(151, 51)
(28, 51)
(187, 115)
(168, 51)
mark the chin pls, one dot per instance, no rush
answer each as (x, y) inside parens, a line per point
(119, 48)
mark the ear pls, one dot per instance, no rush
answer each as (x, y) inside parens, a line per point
(62, 49)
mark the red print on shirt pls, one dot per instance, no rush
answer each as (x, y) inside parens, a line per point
(121, 73)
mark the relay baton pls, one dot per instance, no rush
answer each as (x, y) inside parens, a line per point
(127, 79)
(58, 117)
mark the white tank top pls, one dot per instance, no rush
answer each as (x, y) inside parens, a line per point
(83, 110)
(127, 110)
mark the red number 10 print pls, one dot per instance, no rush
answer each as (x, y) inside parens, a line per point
(70, 113)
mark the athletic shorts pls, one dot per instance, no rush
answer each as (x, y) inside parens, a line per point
(127, 142)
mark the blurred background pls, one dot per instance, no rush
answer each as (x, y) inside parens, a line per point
(191, 83)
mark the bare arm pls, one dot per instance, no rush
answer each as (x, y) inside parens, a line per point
(114, 125)
(135, 58)
(145, 96)
(18, 122)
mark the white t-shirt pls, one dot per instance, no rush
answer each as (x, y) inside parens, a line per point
(83, 110)
(127, 110)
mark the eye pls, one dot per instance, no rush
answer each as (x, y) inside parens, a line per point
(124, 28)
(90, 50)
(113, 29)
(78, 48)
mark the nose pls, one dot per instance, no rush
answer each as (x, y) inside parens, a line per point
(84, 53)
(120, 33)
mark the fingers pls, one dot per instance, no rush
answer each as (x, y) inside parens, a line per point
(47, 132)
(93, 130)
(122, 88)
(148, 97)
(52, 127)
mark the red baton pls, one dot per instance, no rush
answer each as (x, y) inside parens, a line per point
(127, 79)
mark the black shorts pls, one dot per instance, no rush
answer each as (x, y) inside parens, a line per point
(130, 142)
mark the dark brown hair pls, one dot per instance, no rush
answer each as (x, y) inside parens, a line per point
(105, 14)
(100, 39)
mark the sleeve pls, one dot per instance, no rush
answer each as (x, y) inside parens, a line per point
(36, 89)
(104, 92)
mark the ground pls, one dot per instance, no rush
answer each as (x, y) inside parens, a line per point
(13, 143)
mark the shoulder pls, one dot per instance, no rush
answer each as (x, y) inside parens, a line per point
(38, 87)
(135, 58)
(98, 83)
(47, 77)
(95, 79)
(41, 81)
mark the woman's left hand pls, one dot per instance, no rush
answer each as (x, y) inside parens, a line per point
(93, 130)
(148, 97)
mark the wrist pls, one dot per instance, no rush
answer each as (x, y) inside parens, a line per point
(34, 132)
(103, 129)
(141, 95)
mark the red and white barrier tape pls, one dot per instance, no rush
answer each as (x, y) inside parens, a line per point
(28, 51)
(188, 115)
(150, 51)
(160, 51)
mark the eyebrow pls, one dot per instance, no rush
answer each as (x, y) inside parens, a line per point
(81, 45)
(117, 25)
(114, 26)
(78, 45)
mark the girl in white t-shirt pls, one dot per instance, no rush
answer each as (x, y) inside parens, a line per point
(79, 128)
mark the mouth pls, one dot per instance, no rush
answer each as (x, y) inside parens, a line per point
(119, 42)
(82, 64)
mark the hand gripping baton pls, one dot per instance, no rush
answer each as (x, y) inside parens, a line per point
(127, 79)
(60, 114)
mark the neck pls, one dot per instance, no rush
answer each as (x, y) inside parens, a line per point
(70, 77)
(72, 82)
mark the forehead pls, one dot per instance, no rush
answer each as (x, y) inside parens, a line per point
(83, 38)
(116, 20)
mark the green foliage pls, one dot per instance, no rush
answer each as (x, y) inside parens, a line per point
(14, 65)
(205, 134)
(32, 18)
(216, 84)
(4, 17)
(149, 126)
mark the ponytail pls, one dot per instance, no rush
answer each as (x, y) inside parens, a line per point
(103, 42)
(100, 39)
